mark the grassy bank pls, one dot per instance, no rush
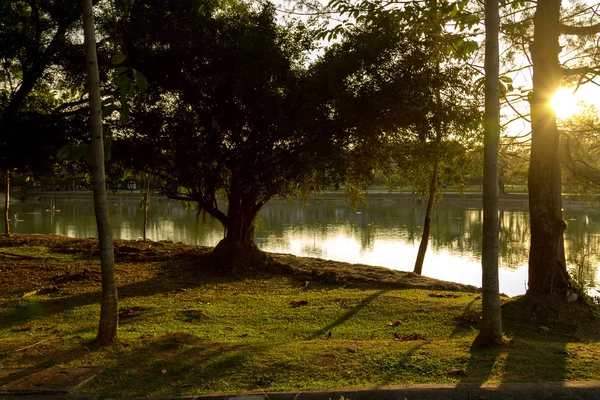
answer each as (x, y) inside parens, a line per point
(185, 329)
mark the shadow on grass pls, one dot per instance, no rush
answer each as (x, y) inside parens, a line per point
(179, 363)
(348, 314)
(539, 347)
(54, 358)
(172, 279)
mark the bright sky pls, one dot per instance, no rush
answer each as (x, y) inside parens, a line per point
(566, 103)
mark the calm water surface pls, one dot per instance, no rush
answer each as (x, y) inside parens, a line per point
(387, 234)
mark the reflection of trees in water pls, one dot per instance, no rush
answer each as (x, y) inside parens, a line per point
(582, 245)
(514, 238)
(454, 229)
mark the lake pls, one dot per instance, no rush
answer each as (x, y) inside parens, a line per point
(381, 234)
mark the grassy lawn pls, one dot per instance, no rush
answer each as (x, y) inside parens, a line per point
(184, 330)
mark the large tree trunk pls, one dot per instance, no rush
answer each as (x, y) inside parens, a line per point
(490, 333)
(427, 223)
(547, 266)
(109, 311)
(6, 201)
(237, 253)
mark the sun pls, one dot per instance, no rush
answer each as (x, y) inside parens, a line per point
(565, 103)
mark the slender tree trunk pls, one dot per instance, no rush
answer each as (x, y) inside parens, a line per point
(146, 202)
(501, 183)
(109, 312)
(427, 223)
(7, 201)
(491, 322)
(547, 267)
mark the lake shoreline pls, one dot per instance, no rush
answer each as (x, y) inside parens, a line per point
(471, 199)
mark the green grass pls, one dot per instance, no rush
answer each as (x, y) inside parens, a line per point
(187, 332)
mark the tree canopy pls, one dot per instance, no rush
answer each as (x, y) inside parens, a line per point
(238, 111)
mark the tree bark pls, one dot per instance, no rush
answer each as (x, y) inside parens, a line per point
(7, 202)
(547, 267)
(109, 311)
(427, 223)
(501, 183)
(146, 202)
(490, 333)
(237, 253)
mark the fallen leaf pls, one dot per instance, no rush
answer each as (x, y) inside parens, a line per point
(409, 337)
(299, 303)
(25, 328)
(29, 294)
(446, 295)
(458, 372)
(127, 314)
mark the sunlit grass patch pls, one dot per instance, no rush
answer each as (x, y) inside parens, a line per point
(183, 331)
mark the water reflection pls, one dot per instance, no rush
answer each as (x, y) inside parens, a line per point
(386, 234)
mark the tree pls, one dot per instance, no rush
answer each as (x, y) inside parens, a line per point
(109, 312)
(33, 34)
(490, 333)
(428, 21)
(6, 201)
(453, 158)
(547, 266)
(145, 203)
(237, 113)
(553, 34)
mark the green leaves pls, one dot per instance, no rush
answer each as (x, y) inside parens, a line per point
(118, 58)
(140, 80)
(129, 82)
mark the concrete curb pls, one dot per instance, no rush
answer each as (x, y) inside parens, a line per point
(586, 390)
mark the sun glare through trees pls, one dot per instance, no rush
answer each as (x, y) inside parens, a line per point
(566, 103)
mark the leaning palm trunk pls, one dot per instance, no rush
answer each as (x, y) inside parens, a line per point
(7, 202)
(427, 223)
(109, 315)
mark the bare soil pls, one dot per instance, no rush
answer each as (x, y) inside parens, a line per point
(195, 258)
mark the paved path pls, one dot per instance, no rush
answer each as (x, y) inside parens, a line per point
(515, 391)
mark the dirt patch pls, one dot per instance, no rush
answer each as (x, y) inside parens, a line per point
(125, 250)
(184, 264)
(50, 380)
(325, 271)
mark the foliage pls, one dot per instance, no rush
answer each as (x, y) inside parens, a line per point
(580, 150)
(513, 159)
(236, 110)
(32, 36)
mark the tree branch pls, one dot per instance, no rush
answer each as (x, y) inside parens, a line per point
(579, 30)
(581, 71)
